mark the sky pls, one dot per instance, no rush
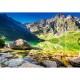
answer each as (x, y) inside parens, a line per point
(27, 17)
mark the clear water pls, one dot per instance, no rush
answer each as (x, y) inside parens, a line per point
(29, 60)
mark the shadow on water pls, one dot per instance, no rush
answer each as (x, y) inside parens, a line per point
(35, 42)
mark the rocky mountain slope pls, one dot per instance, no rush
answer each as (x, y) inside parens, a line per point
(13, 30)
(60, 33)
(56, 25)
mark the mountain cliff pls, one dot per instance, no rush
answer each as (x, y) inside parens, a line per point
(56, 25)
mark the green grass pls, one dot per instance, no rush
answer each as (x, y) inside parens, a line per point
(46, 45)
(67, 44)
(45, 36)
(34, 43)
(70, 40)
(2, 41)
(54, 40)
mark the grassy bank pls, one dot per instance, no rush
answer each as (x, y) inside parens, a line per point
(67, 44)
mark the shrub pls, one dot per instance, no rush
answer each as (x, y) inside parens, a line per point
(2, 42)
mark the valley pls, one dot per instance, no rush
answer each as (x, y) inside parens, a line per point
(53, 42)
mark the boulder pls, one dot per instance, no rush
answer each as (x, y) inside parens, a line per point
(14, 62)
(19, 44)
(1, 54)
(3, 59)
(7, 55)
(59, 62)
(30, 65)
(75, 62)
(48, 63)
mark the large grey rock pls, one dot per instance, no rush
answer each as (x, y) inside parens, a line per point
(19, 44)
(3, 59)
(14, 62)
(59, 62)
(1, 53)
(30, 65)
(48, 63)
(75, 62)
(7, 55)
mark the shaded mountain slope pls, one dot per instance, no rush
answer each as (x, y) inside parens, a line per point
(13, 30)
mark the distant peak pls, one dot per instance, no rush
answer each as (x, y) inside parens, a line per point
(59, 16)
(42, 20)
(69, 16)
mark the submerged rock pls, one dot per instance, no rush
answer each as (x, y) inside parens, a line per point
(48, 63)
(30, 60)
(19, 44)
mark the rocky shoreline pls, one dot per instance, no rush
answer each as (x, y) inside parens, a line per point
(19, 54)
(7, 60)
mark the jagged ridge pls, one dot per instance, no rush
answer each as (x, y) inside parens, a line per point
(57, 25)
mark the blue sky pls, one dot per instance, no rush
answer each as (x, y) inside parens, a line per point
(33, 17)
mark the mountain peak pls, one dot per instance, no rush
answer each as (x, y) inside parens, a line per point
(70, 17)
(59, 16)
(57, 25)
